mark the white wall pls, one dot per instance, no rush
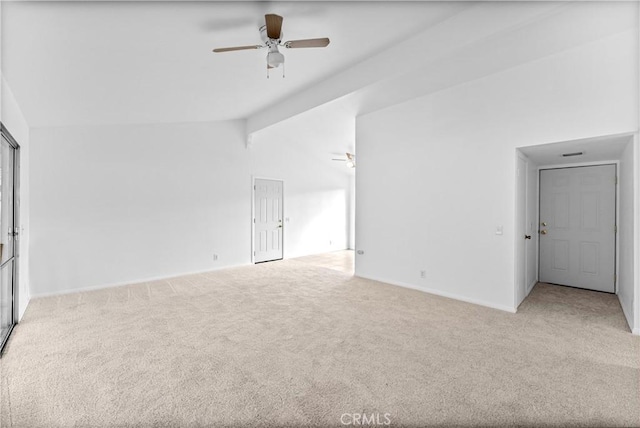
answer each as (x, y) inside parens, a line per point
(120, 204)
(316, 205)
(317, 189)
(12, 118)
(626, 233)
(435, 176)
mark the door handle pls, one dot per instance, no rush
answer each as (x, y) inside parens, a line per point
(527, 236)
(543, 232)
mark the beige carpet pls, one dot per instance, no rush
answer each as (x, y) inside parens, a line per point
(291, 344)
(341, 260)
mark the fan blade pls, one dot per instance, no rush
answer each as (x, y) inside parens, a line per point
(269, 67)
(307, 43)
(237, 48)
(274, 25)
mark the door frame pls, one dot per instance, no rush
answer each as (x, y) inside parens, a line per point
(536, 236)
(521, 252)
(616, 247)
(15, 289)
(253, 214)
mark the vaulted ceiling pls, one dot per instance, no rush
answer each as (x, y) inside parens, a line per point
(89, 63)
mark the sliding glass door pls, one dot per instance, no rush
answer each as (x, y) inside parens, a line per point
(8, 234)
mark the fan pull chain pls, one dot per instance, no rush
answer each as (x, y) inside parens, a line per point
(267, 72)
(283, 70)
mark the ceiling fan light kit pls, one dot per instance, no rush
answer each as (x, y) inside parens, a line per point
(274, 59)
(350, 161)
(271, 35)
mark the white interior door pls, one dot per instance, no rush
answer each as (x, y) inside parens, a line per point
(577, 227)
(268, 220)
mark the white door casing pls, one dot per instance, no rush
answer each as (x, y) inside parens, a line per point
(268, 227)
(521, 230)
(578, 227)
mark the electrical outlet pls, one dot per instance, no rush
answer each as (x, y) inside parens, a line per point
(423, 274)
(361, 252)
(215, 257)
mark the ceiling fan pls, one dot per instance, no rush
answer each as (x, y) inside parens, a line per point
(351, 160)
(271, 35)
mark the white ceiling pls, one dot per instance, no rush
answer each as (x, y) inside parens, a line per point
(89, 63)
(483, 39)
(606, 148)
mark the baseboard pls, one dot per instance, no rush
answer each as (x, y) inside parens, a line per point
(22, 309)
(155, 278)
(332, 249)
(627, 316)
(443, 294)
(636, 331)
(133, 281)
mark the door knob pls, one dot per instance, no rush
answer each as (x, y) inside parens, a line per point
(543, 232)
(544, 224)
(527, 236)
